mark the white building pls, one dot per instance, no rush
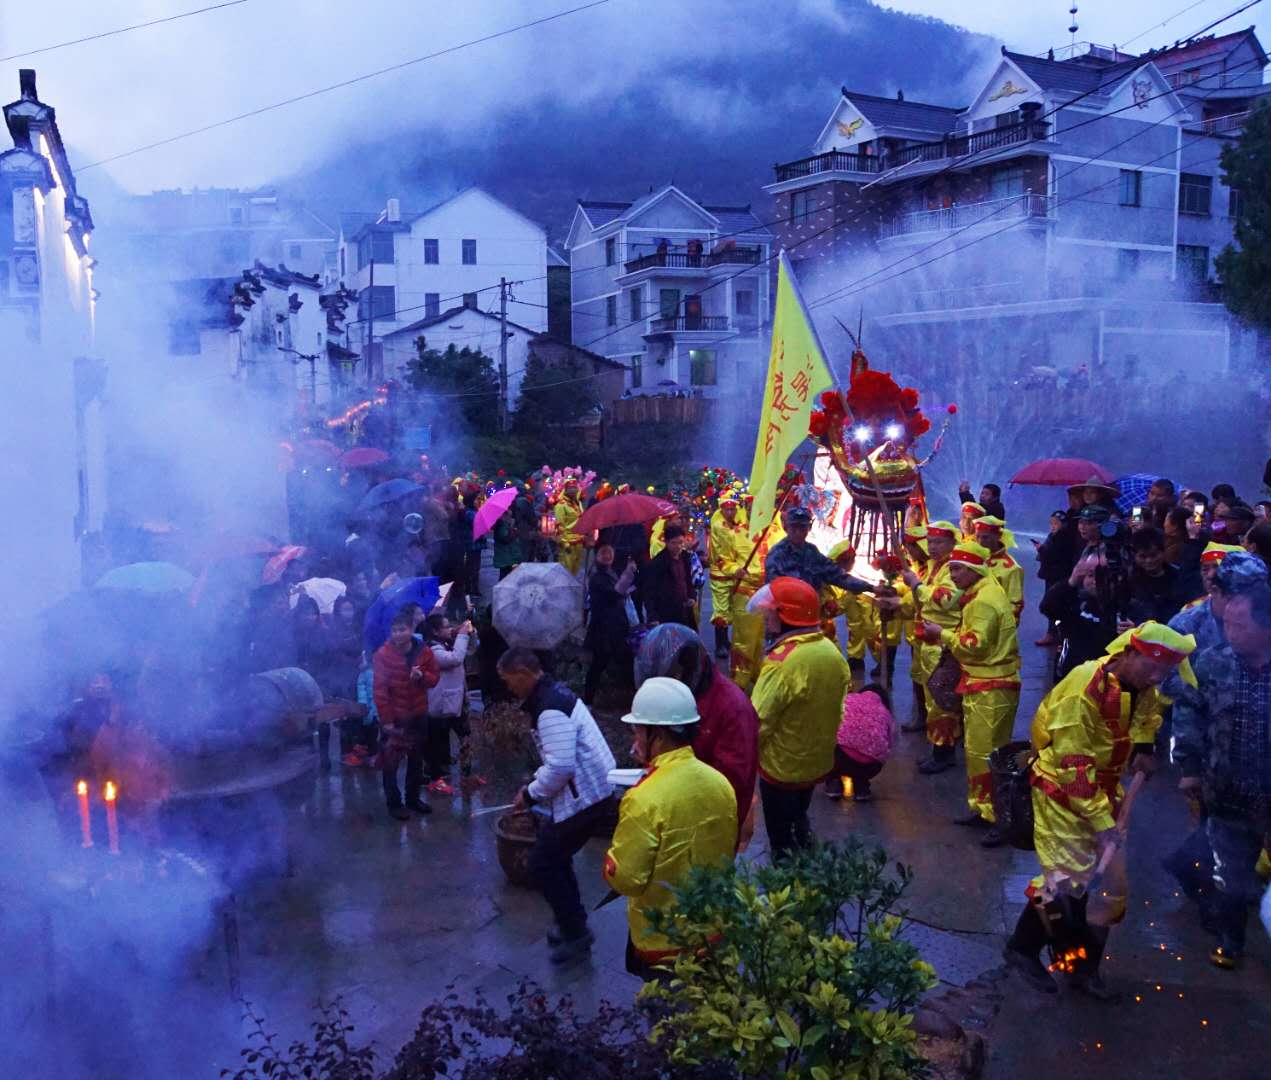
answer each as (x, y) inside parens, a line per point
(408, 266)
(676, 290)
(52, 445)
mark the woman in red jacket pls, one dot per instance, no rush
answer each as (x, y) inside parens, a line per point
(405, 670)
(728, 733)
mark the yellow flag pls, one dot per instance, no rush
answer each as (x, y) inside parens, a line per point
(797, 375)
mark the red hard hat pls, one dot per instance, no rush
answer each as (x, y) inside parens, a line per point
(796, 601)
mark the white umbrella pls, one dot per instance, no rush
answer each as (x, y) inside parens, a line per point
(325, 592)
(538, 605)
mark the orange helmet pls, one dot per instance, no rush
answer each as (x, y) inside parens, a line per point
(796, 602)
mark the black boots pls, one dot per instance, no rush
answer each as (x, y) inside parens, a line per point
(722, 649)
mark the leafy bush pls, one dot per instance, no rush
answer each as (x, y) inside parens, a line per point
(793, 970)
(327, 1055)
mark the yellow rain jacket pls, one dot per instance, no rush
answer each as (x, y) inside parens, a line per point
(937, 596)
(985, 641)
(681, 814)
(1084, 731)
(799, 699)
(853, 607)
(567, 512)
(1010, 575)
(729, 546)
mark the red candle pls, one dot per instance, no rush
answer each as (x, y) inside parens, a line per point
(112, 822)
(85, 822)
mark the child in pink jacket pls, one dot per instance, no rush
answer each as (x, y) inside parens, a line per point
(863, 743)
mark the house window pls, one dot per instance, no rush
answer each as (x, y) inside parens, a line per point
(431, 254)
(1235, 204)
(701, 367)
(1193, 263)
(469, 253)
(375, 247)
(432, 305)
(611, 251)
(470, 299)
(379, 302)
(802, 206)
(1006, 119)
(744, 302)
(1131, 187)
(1007, 183)
(296, 251)
(1127, 262)
(1194, 193)
(611, 310)
(668, 303)
(637, 371)
(235, 215)
(634, 299)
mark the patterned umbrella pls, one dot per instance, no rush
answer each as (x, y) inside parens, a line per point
(538, 605)
(1134, 490)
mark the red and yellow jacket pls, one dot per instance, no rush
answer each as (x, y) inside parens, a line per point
(985, 642)
(1010, 575)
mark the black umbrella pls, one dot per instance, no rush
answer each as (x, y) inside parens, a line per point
(390, 491)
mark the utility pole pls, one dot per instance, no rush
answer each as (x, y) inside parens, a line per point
(503, 356)
(370, 339)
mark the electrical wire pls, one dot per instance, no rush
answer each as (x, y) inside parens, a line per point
(343, 84)
(121, 30)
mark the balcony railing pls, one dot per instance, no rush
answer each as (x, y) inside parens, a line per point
(682, 260)
(688, 322)
(1220, 125)
(952, 146)
(831, 161)
(950, 218)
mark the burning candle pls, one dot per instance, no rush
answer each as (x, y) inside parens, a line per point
(112, 822)
(85, 822)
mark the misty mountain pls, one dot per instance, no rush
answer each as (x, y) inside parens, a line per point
(715, 127)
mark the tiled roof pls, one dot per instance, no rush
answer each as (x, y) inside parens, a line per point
(455, 312)
(732, 219)
(601, 213)
(887, 112)
(1204, 47)
(1068, 77)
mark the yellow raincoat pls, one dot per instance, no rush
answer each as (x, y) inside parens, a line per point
(569, 544)
(1010, 575)
(729, 546)
(681, 814)
(1084, 732)
(937, 597)
(748, 628)
(799, 699)
(986, 645)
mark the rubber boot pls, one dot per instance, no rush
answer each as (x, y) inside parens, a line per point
(1023, 950)
(1230, 913)
(919, 722)
(722, 648)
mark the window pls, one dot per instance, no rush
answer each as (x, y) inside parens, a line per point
(633, 298)
(611, 310)
(379, 302)
(1235, 204)
(637, 371)
(802, 206)
(1131, 187)
(432, 305)
(701, 367)
(235, 215)
(611, 251)
(1193, 263)
(469, 253)
(744, 302)
(1006, 183)
(470, 298)
(296, 252)
(1006, 119)
(1127, 262)
(375, 247)
(431, 252)
(668, 303)
(1194, 193)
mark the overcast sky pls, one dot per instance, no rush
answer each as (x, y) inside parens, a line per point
(123, 92)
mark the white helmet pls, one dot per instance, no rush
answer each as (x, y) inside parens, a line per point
(663, 702)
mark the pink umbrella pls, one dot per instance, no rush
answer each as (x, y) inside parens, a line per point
(491, 510)
(362, 457)
(274, 568)
(1063, 472)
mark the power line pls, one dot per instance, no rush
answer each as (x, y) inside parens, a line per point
(122, 30)
(1163, 23)
(345, 83)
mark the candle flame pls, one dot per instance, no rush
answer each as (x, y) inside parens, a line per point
(81, 787)
(111, 791)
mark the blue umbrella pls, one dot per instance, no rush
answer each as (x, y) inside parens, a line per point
(1134, 490)
(390, 491)
(424, 591)
(149, 577)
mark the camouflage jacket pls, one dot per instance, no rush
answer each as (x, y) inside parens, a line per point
(808, 564)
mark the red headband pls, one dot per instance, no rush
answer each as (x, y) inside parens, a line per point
(948, 533)
(969, 557)
(1155, 651)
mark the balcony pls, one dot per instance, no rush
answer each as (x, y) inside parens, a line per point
(689, 323)
(829, 162)
(682, 260)
(1225, 125)
(951, 218)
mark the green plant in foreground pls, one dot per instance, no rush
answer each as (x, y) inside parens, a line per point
(793, 970)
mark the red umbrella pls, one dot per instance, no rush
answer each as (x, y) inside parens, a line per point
(274, 568)
(362, 457)
(1063, 472)
(623, 510)
(313, 452)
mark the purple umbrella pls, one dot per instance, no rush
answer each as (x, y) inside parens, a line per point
(491, 510)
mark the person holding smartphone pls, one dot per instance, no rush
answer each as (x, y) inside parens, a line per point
(608, 624)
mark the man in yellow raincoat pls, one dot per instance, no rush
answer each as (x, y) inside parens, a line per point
(680, 815)
(836, 601)
(916, 559)
(799, 699)
(934, 598)
(1101, 717)
(986, 646)
(748, 627)
(970, 512)
(992, 533)
(729, 546)
(569, 544)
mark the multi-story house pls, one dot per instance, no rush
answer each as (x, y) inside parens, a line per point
(405, 267)
(1076, 203)
(51, 381)
(675, 289)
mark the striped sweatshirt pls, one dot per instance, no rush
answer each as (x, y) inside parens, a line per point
(576, 759)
